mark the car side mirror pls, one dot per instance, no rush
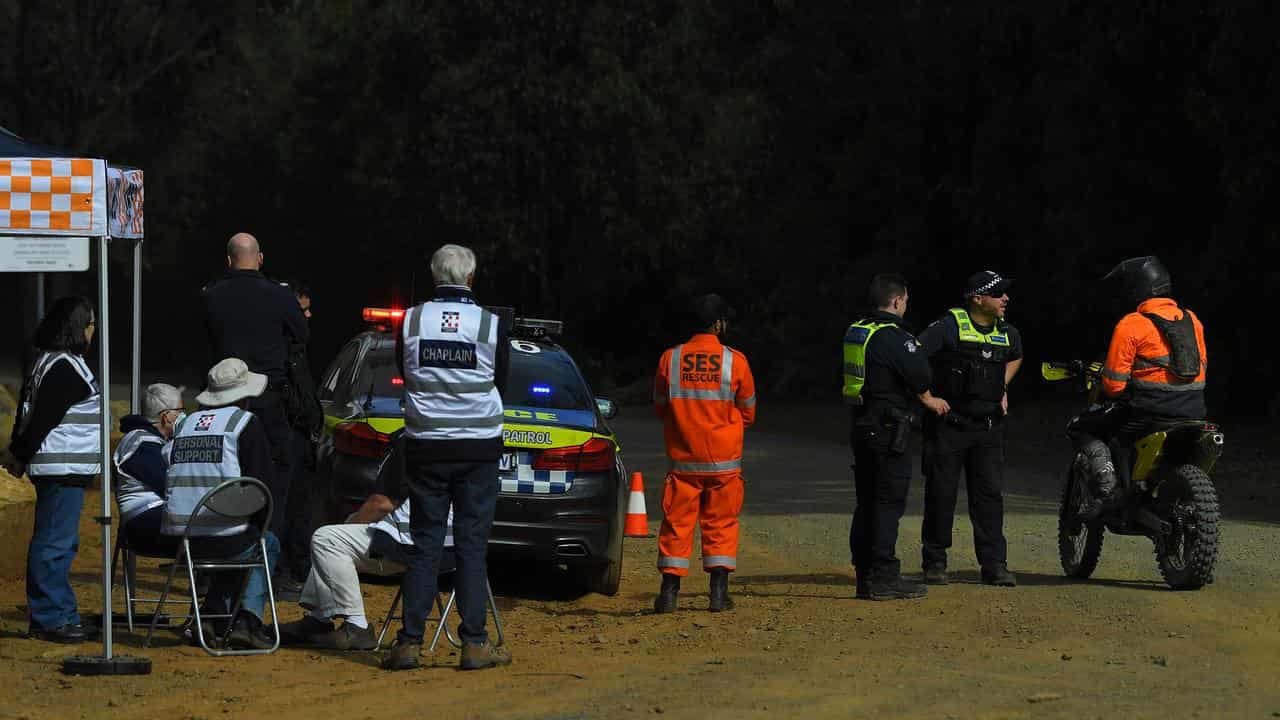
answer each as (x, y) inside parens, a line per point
(608, 408)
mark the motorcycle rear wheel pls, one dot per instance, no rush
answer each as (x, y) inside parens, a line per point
(1187, 555)
(1079, 542)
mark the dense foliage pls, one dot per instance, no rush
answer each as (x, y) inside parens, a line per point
(609, 159)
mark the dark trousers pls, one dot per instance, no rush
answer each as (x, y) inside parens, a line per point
(295, 526)
(472, 487)
(1114, 425)
(142, 532)
(881, 479)
(269, 407)
(978, 454)
(55, 540)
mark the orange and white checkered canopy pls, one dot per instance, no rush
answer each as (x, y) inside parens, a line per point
(53, 196)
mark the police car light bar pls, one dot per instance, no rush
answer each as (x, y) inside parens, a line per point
(538, 327)
(382, 315)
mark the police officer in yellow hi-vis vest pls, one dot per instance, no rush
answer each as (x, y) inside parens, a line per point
(974, 352)
(886, 378)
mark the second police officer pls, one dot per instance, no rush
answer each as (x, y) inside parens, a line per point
(974, 353)
(886, 375)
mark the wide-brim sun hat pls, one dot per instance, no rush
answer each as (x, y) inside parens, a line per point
(231, 381)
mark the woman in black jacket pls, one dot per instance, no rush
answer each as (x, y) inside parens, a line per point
(57, 443)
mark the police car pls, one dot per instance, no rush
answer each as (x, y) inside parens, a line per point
(562, 496)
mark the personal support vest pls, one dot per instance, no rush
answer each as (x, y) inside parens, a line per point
(974, 371)
(74, 446)
(450, 350)
(856, 339)
(396, 524)
(203, 454)
(132, 495)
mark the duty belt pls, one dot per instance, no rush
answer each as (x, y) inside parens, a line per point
(971, 423)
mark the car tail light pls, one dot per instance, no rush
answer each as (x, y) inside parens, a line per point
(595, 455)
(383, 315)
(360, 439)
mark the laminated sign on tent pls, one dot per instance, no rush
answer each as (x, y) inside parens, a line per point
(51, 204)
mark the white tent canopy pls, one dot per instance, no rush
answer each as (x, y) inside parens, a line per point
(48, 194)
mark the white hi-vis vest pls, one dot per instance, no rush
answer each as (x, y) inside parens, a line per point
(396, 524)
(450, 349)
(74, 447)
(202, 455)
(133, 497)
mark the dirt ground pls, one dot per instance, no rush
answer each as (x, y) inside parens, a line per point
(798, 644)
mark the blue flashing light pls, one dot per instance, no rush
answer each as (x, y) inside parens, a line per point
(540, 389)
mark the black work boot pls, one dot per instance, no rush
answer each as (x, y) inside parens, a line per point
(936, 575)
(666, 600)
(720, 600)
(999, 576)
(895, 588)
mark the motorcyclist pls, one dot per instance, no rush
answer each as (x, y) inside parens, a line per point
(1155, 370)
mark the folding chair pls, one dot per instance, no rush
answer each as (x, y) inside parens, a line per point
(240, 500)
(448, 561)
(130, 582)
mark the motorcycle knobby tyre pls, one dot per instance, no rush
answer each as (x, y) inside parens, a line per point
(1079, 542)
(1187, 555)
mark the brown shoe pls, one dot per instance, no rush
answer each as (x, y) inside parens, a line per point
(403, 655)
(348, 637)
(476, 656)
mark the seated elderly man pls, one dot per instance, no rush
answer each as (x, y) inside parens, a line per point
(374, 539)
(140, 469)
(221, 441)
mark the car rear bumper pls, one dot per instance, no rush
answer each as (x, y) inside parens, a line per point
(572, 528)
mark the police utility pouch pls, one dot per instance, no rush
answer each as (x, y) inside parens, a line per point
(898, 424)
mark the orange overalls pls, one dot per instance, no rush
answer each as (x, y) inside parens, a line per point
(705, 395)
(1138, 359)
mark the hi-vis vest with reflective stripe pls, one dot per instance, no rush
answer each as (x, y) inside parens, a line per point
(133, 497)
(396, 524)
(677, 392)
(202, 455)
(970, 334)
(856, 339)
(450, 349)
(74, 446)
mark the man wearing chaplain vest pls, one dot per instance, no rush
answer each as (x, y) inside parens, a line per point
(452, 356)
(220, 441)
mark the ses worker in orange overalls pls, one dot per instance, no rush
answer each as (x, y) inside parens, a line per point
(1155, 370)
(705, 395)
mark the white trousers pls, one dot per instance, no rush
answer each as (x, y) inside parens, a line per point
(339, 553)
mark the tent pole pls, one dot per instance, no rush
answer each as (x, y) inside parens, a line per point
(135, 380)
(104, 379)
(39, 297)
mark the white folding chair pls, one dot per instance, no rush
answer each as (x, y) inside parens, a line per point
(240, 500)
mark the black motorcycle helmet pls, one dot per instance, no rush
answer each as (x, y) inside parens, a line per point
(1142, 278)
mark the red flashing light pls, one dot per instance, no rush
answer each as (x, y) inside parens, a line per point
(397, 380)
(595, 455)
(383, 315)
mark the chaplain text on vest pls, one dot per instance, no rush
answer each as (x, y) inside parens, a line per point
(206, 449)
(446, 354)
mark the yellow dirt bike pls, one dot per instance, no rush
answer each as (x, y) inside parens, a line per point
(1167, 494)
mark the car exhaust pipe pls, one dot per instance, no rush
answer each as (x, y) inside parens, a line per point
(574, 550)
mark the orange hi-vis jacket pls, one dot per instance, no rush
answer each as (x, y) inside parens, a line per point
(706, 397)
(1137, 365)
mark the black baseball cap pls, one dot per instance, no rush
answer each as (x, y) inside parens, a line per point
(987, 282)
(707, 309)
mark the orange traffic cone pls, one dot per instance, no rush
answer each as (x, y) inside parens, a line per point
(637, 517)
